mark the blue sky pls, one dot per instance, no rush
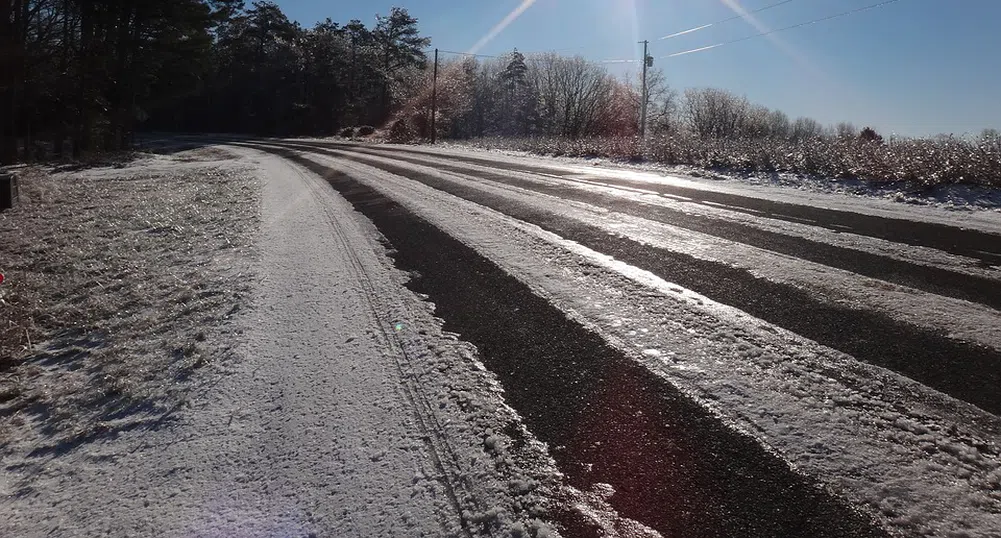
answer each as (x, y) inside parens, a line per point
(914, 67)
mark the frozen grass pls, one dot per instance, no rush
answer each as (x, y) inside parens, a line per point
(921, 162)
(119, 284)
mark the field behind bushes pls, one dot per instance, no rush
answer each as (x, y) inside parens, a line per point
(923, 162)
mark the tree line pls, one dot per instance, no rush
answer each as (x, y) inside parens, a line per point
(89, 73)
(556, 105)
(84, 75)
(550, 95)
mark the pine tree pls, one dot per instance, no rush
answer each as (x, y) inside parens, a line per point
(402, 47)
(518, 99)
(869, 135)
(96, 70)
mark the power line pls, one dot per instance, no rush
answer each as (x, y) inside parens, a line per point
(735, 17)
(807, 23)
(529, 56)
(468, 54)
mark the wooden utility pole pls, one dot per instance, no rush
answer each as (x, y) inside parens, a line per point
(647, 62)
(434, 100)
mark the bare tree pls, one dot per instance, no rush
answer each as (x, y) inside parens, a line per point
(756, 122)
(620, 110)
(846, 130)
(662, 102)
(805, 128)
(778, 124)
(542, 74)
(715, 113)
(572, 93)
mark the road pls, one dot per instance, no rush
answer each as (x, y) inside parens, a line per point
(455, 342)
(729, 364)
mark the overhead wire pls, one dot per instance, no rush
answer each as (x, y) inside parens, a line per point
(529, 56)
(713, 46)
(800, 25)
(468, 54)
(735, 17)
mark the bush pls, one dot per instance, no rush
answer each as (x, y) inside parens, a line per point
(348, 132)
(402, 131)
(926, 161)
(366, 130)
(869, 135)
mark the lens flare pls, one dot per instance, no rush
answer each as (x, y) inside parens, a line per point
(500, 26)
(796, 55)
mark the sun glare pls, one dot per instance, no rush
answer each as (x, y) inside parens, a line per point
(500, 26)
(799, 57)
(635, 20)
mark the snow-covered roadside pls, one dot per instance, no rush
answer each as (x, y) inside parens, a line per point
(344, 411)
(119, 282)
(954, 208)
(924, 463)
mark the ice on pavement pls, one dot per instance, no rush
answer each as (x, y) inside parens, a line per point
(975, 207)
(958, 318)
(922, 462)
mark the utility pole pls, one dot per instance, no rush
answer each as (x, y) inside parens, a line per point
(434, 100)
(352, 84)
(647, 62)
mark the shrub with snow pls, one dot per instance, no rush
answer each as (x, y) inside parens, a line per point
(926, 162)
(402, 131)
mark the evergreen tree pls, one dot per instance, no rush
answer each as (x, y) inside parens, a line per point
(518, 99)
(94, 71)
(869, 135)
(401, 48)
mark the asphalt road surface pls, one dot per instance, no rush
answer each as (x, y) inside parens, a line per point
(459, 342)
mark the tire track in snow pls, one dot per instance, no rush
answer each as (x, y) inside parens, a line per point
(935, 280)
(960, 241)
(830, 416)
(673, 465)
(503, 491)
(443, 457)
(962, 370)
(959, 319)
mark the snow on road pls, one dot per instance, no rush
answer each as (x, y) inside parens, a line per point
(347, 412)
(914, 254)
(952, 205)
(924, 463)
(960, 319)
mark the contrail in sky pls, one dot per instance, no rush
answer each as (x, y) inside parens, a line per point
(736, 8)
(525, 4)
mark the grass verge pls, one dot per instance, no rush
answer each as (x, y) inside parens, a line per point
(120, 281)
